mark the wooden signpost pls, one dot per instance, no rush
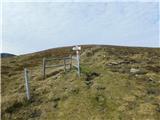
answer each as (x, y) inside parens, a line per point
(26, 77)
(77, 49)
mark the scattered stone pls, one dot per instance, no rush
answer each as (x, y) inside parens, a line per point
(137, 71)
(119, 62)
(151, 80)
(113, 63)
(134, 71)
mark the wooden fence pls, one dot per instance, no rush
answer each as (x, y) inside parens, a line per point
(71, 58)
(45, 66)
(77, 65)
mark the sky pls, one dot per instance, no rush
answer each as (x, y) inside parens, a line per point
(29, 26)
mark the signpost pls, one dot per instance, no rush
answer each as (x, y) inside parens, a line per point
(26, 76)
(77, 49)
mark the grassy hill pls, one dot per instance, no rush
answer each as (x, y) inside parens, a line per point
(116, 83)
(4, 55)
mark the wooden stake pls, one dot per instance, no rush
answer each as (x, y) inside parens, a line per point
(26, 76)
(78, 63)
(44, 68)
(64, 65)
(71, 62)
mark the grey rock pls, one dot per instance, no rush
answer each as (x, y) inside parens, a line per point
(134, 71)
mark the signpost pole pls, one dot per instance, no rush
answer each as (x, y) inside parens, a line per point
(78, 57)
(77, 49)
(26, 76)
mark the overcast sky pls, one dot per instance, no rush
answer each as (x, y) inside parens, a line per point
(34, 26)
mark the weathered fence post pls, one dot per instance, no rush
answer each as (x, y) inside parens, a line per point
(44, 68)
(64, 65)
(78, 63)
(71, 62)
(26, 76)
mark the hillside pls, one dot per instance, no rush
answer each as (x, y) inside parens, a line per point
(4, 55)
(116, 83)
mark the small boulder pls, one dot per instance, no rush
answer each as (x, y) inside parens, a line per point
(134, 71)
(113, 63)
(138, 71)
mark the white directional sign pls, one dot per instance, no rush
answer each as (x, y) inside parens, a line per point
(76, 48)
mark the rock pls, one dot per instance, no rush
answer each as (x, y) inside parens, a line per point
(113, 63)
(134, 71)
(118, 63)
(138, 71)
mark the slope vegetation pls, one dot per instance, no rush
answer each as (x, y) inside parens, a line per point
(116, 83)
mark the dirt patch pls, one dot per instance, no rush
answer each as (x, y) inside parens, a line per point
(90, 77)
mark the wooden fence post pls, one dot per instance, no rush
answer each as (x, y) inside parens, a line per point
(64, 65)
(78, 57)
(26, 76)
(44, 68)
(71, 62)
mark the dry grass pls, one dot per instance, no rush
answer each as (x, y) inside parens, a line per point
(106, 90)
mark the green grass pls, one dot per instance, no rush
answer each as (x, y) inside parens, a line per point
(103, 91)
